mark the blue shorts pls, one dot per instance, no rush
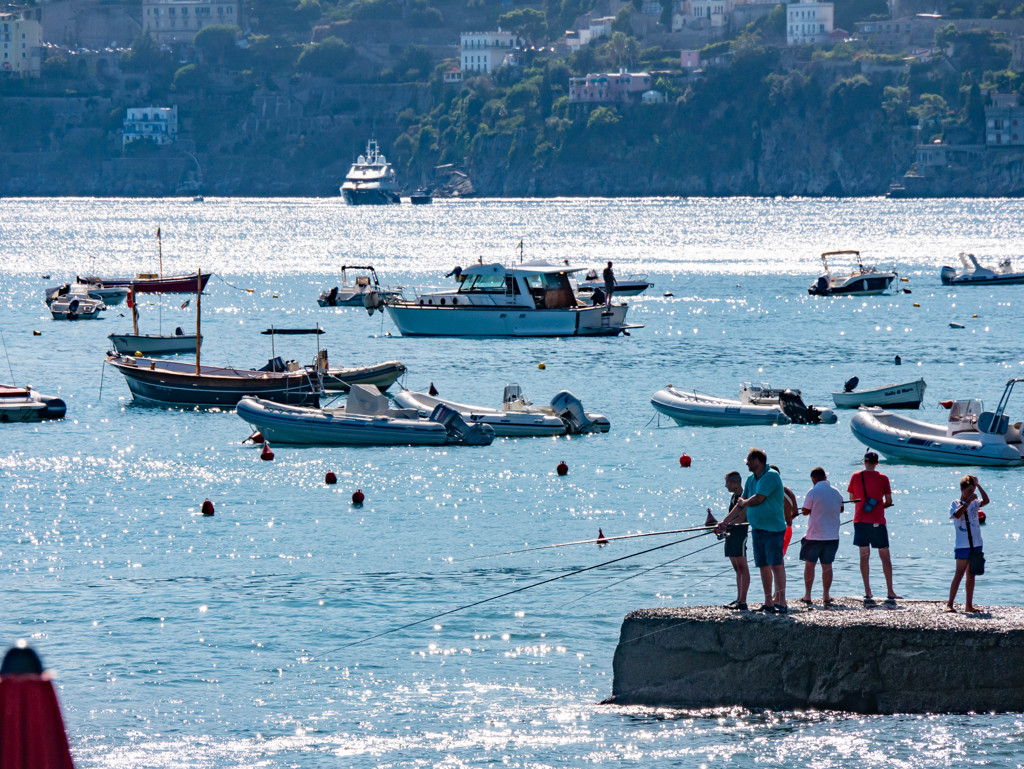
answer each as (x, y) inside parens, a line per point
(963, 553)
(814, 550)
(871, 534)
(767, 547)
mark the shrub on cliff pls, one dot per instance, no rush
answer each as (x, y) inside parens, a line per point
(327, 58)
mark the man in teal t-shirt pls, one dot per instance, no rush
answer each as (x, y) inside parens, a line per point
(763, 503)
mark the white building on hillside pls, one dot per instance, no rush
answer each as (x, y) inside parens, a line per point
(21, 45)
(157, 124)
(486, 51)
(809, 22)
(177, 21)
(716, 12)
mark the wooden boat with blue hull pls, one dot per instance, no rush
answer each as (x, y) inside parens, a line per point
(180, 383)
(971, 436)
(366, 419)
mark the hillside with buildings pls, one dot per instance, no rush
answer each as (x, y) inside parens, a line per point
(489, 97)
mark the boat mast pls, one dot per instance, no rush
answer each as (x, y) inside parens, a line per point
(160, 305)
(199, 306)
(133, 301)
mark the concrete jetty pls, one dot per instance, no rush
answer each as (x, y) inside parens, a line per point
(908, 658)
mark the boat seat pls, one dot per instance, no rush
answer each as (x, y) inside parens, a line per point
(366, 400)
(988, 422)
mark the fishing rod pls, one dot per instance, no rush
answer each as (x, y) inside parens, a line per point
(508, 593)
(599, 541)
(9, 368)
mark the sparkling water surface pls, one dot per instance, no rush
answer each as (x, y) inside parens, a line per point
(186, 641)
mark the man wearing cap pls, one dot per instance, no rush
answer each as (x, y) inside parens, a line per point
(869, 528)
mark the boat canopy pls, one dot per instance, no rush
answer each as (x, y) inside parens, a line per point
(292, 331)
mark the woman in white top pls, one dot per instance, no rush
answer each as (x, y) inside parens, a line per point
(963, 512)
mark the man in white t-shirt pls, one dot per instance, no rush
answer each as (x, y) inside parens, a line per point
(823, 506)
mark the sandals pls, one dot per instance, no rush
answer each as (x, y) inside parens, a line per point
(869, 601)
(767, 609)
(806, 601)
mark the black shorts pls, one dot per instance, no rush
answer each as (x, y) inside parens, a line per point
(736, 541)
(814, 550)
(875, 535)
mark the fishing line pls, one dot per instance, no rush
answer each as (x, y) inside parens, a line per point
(598, 541)
(8, 357)
(507, 593)
(237, 288)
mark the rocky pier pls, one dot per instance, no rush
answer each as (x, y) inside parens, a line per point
(910, 657)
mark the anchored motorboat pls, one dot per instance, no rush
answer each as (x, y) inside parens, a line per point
(23, 404)
(109, 295)
(371, 179)
(862, 281)
(517, 417)
(630, 285)
(365, 419)
(973, 273)
(892, 396)
(76, 306)
(971, 436)
(691, 407)
(791, 402)
(354, 294)
(532, 299)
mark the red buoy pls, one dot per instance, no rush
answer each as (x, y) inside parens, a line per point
(562, 469)
(207, 507)
(685, 461)
(601, 538)
(432, 390)
(981, 516)
(330, 479)
(266, 455)
(358, 497)
(256, 437)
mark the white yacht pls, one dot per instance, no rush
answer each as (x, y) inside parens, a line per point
(371, 180)
(973, 273)
(532, 299)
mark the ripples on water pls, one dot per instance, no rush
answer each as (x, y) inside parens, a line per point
(186, 641)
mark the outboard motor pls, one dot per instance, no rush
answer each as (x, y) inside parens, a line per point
(821, 286)
(568, 408)
(459, 431)
(793, 406)
(373, 301)
(179, 332)
(274, 365)
(946, 275)
(851, 384)
(332, 297)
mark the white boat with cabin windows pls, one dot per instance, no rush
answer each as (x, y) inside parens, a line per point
(371, 180)
(691, 407)
(862, 281)
(973, 273)
(517, 417)
(971, 436)
(531, 299)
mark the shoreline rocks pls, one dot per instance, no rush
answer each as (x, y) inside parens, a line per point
(908, 658)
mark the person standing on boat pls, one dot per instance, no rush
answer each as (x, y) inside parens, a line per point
(869, 526)
(762, 503)
(823, 505)
(609, 284)
(963, 512)
(736, 542)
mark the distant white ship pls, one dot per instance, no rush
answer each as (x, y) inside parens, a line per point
(371, 180)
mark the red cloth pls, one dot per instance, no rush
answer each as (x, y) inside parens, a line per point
(31, 727)
(877, 486)
(787, 539)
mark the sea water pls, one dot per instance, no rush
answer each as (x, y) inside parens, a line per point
(184, 641)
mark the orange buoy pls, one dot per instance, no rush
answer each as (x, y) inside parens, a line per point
(981, 516)
(685, 461)
(601, 538)
(358, 497)
(330, 479)
(207, 507)
(562, 469)
(266, 455)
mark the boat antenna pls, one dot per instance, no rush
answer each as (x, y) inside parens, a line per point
(7, 356)
(199, 307)
(520, 247)
(160, 251)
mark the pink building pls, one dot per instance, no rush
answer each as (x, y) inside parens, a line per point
(689, 59)
(608, 88)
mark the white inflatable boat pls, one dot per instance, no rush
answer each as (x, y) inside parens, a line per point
(971, 436)
(690, 407)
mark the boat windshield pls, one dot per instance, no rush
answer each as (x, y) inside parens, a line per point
(484, 282)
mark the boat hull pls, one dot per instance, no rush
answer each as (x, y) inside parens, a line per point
(154, 344)
(369, 197)
(19, 404)
(481, 321)
(381, 376)
(506, 424)
(899, 437)
(709, 411)
(896, 396)
(1011, 279)
(315, 427)
(864, 285)
(174, 383)
(172, 284)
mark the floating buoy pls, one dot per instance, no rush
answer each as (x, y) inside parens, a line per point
(432, 390)
(562, 469)
(274, 296)
(207, 507)
(541, 366)
(358, 497)
(916, 304)
(37, 333)
(899, 361)
(710, 520)
(975, 315)
(248, 290)
(668, 294)
(981, 516)
(685, 461)
(602, 540)
(330, 479)
(138, 353)
(956, 325)
(256, 437)
(266, 455)
(904, 280)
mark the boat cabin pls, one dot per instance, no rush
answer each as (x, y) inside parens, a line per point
(537, 284)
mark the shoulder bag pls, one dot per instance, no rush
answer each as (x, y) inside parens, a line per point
(975, 558)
